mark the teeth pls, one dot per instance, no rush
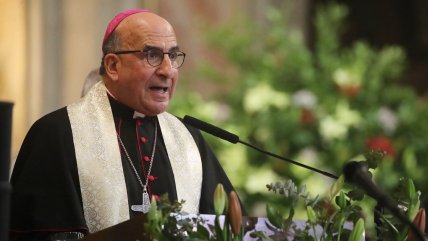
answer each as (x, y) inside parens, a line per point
(163, 89)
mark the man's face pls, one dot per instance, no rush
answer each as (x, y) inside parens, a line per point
(139, 85)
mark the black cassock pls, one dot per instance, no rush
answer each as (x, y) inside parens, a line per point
(45, 185)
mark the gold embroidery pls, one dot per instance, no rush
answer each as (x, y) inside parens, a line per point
(102, 182)
(185, 161)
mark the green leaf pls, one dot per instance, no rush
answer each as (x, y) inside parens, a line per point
(341, 200)
(336, 187)
(411, 190)
(202, 232)
(154, 215)
(312, 216)
(274, 216)
(357, 232)
(218, 230)
(414, 199)
(219, 199)
(226, 229)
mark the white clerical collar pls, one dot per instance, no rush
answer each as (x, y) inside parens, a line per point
(136, 113)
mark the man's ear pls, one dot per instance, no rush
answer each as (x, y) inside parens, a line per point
(111, 62)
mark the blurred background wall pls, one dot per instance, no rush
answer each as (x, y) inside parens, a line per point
(47, 47)
(13, 64)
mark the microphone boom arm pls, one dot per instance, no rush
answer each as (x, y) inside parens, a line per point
(230, 137)
(291, 161)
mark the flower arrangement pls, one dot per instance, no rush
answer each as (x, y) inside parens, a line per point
(334, 217)
(165, 222)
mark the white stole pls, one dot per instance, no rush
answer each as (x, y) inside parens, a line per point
(101, 177)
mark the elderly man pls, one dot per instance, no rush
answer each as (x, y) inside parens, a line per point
(100, 161)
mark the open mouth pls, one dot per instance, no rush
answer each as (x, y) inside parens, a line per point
(160, 89)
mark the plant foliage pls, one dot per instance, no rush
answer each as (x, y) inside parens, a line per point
(317, 105)
(337, 216)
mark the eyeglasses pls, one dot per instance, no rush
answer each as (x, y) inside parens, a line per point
(155, 57)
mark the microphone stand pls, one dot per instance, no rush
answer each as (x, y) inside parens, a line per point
(357, 173)
(403, 218)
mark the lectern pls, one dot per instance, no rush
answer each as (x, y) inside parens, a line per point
(130, 230)
(5, 146)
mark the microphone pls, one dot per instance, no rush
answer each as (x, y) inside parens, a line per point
(230, 137)
(213, 130)
(357, 173)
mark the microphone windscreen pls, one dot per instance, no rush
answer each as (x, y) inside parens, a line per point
(213, 130)
(358, 174)
(354, 170)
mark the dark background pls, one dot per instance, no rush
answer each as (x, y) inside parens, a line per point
(390, 22)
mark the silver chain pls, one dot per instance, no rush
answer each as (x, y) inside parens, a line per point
(144, 186)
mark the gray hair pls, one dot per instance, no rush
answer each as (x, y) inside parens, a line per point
(112, 44)
(91, 79)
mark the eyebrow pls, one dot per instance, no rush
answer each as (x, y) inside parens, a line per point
(150, 47)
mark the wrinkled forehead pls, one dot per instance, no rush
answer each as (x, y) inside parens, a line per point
(146, 28)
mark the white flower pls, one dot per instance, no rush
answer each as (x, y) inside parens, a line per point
(262, 96)
(336, 126)
(346, 116)
(331, 129)
(345, 76)
(308, 155)
(305, 99)
(387, 119)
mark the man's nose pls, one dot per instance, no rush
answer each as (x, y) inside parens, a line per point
(165, 68)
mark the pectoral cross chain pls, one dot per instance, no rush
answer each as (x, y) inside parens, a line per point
(145, 206)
